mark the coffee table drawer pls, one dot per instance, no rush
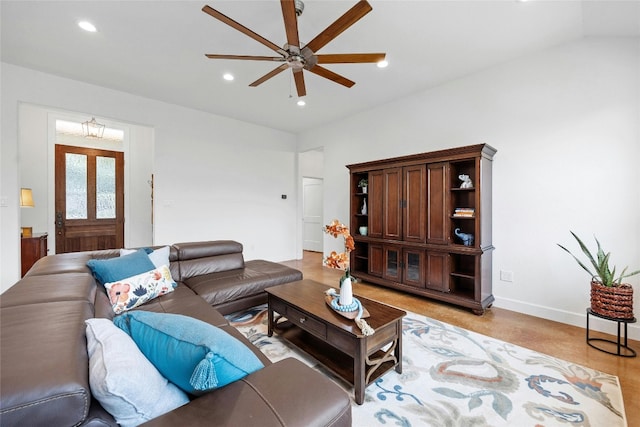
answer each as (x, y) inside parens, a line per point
(306, 322)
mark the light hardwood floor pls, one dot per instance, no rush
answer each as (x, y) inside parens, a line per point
(553, 338)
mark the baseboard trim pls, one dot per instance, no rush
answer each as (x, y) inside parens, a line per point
(563, 316)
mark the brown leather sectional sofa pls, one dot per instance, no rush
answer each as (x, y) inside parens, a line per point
(43, 352)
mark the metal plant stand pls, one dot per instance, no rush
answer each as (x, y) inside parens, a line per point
(623, 349)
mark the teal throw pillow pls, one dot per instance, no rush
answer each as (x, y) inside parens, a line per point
(118, 268)
(158, 257)
(192, 354)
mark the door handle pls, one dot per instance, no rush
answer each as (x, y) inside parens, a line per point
(59, 221)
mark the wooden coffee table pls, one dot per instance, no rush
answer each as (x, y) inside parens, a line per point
(298, 312)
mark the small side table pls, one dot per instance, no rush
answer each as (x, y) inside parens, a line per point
(32, 249)
(628, 351)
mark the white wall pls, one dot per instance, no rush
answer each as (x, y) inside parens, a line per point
(566, 124)
(215, 178)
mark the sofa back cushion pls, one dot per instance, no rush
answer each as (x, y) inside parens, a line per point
(44, 364)
(198, 258)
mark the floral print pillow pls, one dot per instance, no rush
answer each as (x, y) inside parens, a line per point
(133, 291)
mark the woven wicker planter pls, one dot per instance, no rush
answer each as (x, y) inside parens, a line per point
(614, 301)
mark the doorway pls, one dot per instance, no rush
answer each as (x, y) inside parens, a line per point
(89, 199)
(312, 234)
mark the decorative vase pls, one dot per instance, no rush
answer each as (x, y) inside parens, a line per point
(346, 291)
(364, 207)
(364, 190)
(612, 301)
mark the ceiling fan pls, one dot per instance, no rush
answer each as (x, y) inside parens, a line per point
(298, 56)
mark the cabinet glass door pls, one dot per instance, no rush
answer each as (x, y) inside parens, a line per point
(391, 263)
(414, 268)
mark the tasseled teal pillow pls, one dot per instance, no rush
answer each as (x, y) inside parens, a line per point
(192, 354)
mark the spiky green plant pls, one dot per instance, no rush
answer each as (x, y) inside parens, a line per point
(602, 273)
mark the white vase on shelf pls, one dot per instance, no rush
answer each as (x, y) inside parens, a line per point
(364, 207)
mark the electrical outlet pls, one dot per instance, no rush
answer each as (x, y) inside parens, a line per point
(506, 276)
(4, 202)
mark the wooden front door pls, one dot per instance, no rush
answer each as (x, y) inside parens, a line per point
(89, 197)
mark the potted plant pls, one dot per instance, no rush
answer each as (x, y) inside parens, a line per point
(363, 184)
(609, 296)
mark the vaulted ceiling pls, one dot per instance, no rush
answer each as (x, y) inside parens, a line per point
(156, 49)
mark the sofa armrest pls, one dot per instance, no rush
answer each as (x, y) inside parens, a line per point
(286, 393)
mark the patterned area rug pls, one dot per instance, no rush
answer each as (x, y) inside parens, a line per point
(455, 377)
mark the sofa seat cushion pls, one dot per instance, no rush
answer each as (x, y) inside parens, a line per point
(227, 286)
(264, 398)
(45, 380)
(61, 287)
(184, 301)
(192, 354)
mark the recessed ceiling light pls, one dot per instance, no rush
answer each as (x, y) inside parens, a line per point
(87, 26)
(382, 64)
(301, 103)
(228, 77)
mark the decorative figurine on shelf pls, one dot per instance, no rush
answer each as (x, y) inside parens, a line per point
(467, 238)
(363, 185)
(364, 207)
(466, 181)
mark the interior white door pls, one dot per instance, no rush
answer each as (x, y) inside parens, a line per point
(312, 190)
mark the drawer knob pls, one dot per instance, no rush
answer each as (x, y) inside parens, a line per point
(302, 320)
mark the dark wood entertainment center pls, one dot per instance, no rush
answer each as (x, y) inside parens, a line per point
(415, 209)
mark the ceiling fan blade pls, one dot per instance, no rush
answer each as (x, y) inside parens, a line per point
(245, 57)
(269, 75)
(290, 22)
(328, 74)
(299, 78)
(345, 21)
(350, 58)
(224, 18)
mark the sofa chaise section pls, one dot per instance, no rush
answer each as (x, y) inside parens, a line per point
(218, 273)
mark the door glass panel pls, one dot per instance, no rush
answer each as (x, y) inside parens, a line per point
(392, 263)
(413, 267)
(76, 186)
(105, 187)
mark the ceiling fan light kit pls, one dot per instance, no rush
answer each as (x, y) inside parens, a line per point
(299, 57)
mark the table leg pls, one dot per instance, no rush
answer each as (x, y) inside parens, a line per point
(398, 351)
(269, 321)
(359, 372)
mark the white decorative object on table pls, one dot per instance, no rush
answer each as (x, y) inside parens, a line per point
(346, 290)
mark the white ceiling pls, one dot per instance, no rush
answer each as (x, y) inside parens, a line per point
(156, 48)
